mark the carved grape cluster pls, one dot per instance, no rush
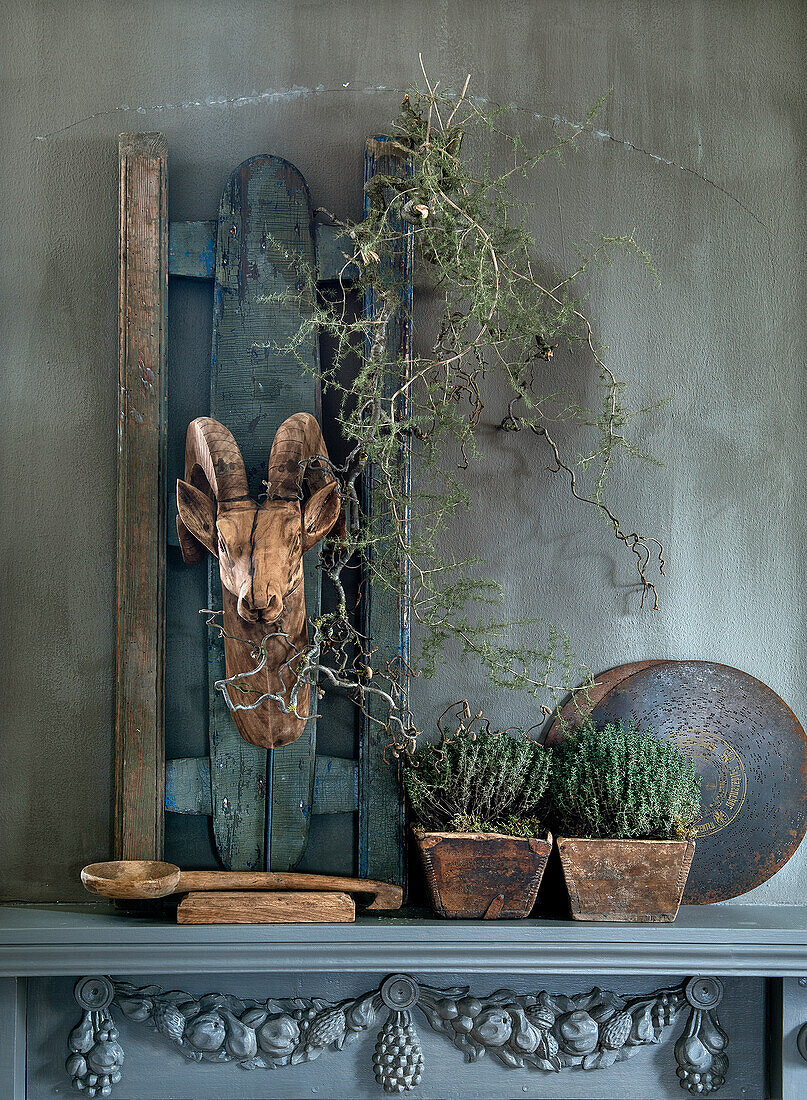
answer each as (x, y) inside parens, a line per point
(702, 1083)
(702, 1063)
(397, 1058)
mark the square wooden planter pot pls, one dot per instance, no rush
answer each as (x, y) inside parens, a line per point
(483, 875)
(625, 880)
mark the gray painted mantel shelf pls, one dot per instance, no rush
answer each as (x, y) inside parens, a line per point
(769, 941)
(167, 1009)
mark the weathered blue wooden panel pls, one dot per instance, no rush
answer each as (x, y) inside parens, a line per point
(333, 254)
(192, 249)
(188, 790)
(382, 847)
(264, 277)
(788, 1018)
(187, 785)
(257, 252)
(13, 1037)
(336, 785)
(192, 252)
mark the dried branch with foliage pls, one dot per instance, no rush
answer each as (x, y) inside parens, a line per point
(500, 323)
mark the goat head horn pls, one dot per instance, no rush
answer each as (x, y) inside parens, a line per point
(212, 448)
(214, 471)
(297, 439)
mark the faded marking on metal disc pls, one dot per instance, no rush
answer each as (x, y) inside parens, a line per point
(724, 780)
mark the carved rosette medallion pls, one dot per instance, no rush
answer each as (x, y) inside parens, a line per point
(543, 1031)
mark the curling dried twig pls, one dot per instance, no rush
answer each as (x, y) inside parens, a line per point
(643, 547)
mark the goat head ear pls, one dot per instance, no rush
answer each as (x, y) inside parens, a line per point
(196, 522)
(320, 513)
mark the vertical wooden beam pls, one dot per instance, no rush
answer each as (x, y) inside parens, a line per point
(13, 1037)
(776, 1039)
(382, 843)
(143, 281)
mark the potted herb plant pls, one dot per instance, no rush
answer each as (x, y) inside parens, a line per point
(476, 800)
(624, 805)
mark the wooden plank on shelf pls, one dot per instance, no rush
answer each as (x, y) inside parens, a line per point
(266, 907)
(143, 277)
(385, 614)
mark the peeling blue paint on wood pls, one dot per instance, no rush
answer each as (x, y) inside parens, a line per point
(192, 252)
(188, 791)
(192, 249)
(187, 786)
(264, 266)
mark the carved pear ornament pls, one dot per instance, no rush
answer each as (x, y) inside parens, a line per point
(260, 547)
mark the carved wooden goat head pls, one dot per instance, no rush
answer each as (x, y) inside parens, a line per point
(260, 549)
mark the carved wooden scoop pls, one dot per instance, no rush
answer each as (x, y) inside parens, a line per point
(140, 878)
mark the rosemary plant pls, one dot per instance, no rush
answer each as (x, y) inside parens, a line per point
(479, 780)
(620, 783)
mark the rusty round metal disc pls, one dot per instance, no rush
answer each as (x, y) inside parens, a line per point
(581, 707)
(750, 751)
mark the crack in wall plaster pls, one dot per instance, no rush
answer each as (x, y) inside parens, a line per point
(606, 135)
(287, 95)
(270, 95)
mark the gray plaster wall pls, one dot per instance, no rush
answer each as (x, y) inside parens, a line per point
(705, 157)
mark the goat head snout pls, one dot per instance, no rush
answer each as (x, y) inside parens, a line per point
(245, 610)
(263, 610)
